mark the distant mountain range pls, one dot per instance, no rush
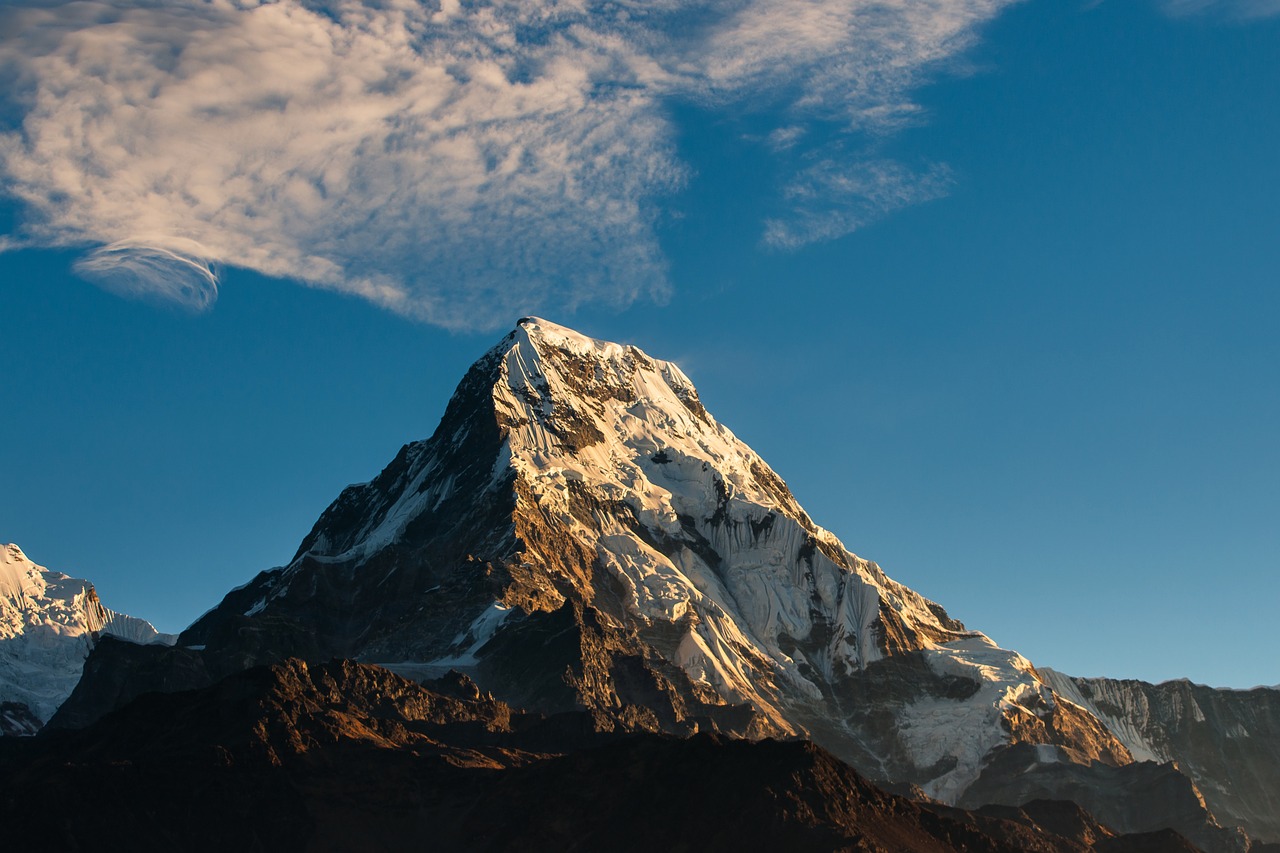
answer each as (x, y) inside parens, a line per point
(580, 536)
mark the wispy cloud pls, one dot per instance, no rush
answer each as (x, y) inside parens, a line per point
(135, 269)
(455, 162)
(832, 198)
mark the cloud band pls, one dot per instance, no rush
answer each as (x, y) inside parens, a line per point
(455, 162)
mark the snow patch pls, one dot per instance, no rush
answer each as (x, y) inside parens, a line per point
(938, 728)
(480, 631)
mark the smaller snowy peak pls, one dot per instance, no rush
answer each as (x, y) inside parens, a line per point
(49, 621)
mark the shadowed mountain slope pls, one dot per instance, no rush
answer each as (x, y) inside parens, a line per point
(343, 756)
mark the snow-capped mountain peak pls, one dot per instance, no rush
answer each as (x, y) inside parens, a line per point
(579, 488)
(48, 623)
(580, 532)
(705, 541)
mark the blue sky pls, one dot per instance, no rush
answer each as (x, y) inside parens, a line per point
(991, 285)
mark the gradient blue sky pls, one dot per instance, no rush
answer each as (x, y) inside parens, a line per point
(1018, 345)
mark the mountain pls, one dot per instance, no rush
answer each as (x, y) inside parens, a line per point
(48, 624)
(343, 756)
(578, 497)
(1227, 741)
(581, 533)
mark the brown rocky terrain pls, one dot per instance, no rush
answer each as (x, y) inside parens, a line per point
(345, 756)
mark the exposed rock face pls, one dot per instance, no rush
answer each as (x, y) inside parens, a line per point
(1141, 797)
(48, 624)
(1227, 741)
(118, 672)
(342, 756)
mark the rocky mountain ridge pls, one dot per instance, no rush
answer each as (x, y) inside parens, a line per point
(584, 478)
(342, 756)
(1227, 741)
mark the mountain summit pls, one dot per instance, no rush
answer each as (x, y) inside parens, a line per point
(577, 499)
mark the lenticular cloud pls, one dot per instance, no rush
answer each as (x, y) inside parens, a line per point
(150, 272)
(453, 162)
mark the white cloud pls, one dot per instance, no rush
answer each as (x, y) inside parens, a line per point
(457, 162)
(834, 197)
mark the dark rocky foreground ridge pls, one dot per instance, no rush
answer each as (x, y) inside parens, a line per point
(345, 756)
